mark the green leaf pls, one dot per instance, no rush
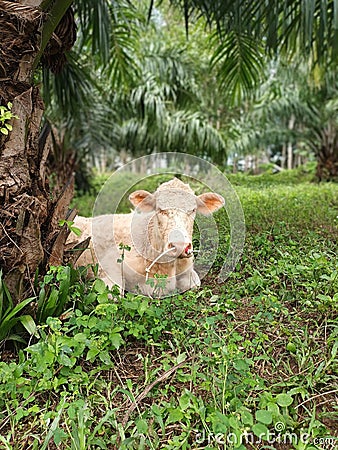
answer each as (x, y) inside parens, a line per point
(156, 410)
(273, 408)
(241, 365)
(182, 357)
(142, 426)
(28, 322)
(260, 430)
(220, 422)
(105, 358)
(324, 298)
(92, 353)
(99, 286)
(65, 360)
(59, 436)
(298, 390)
(284, 400)
(143, 307)
(54, 323)
(80, 337)
(129, 384)
(49, 305)
(64, 294)
(19, 307)
(334, 350)
(175, 415)
(247, 417)
(5, 442)
(184, 401)
(6, 302)
(53, 427)
(17, 338)
(263, 416)
(76, 231)
(116, 340)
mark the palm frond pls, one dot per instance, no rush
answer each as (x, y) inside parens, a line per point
(239, 63)
(124, 44)
(306, 26)
(135, 137)
(190, 132)
(173, 71)
(95, 26)
(123, 66)
(71, 90)
(148, 102)
(289, 99)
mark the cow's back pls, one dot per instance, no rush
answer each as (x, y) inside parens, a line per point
(106, 233)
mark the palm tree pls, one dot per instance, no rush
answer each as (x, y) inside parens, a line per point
(162, 111)
(246, 32)
(160, 108)
(34, 32)
(322, 127)
(292, 113)
(28, 218)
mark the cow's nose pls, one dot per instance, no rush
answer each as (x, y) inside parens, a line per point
(180, 243)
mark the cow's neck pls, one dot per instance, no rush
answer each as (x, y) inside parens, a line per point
(145, 242)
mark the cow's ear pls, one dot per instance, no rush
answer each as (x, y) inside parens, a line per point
(209, 203)
(143, 200)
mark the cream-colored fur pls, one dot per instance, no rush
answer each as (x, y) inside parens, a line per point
(147, 231)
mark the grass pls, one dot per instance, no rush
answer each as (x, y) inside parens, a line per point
(249, 363)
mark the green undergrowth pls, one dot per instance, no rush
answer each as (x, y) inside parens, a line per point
(249, 363)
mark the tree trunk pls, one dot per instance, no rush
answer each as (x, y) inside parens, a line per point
(284, 158)
(327, 155)
(28, 216)
(289, 146)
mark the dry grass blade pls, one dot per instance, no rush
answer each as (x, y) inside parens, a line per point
(146, 391)
(333, 391)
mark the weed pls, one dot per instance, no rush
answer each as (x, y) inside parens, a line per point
(5, 116)
(11, 316)
(251, 362)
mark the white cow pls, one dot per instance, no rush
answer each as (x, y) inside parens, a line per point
(159, 234)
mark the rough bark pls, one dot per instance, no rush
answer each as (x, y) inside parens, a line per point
(23, 198)
(28, 215)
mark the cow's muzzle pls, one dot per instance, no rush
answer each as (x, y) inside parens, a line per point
(180, 243)
(181, 249)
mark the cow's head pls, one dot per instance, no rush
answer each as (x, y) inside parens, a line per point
(172, 210)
